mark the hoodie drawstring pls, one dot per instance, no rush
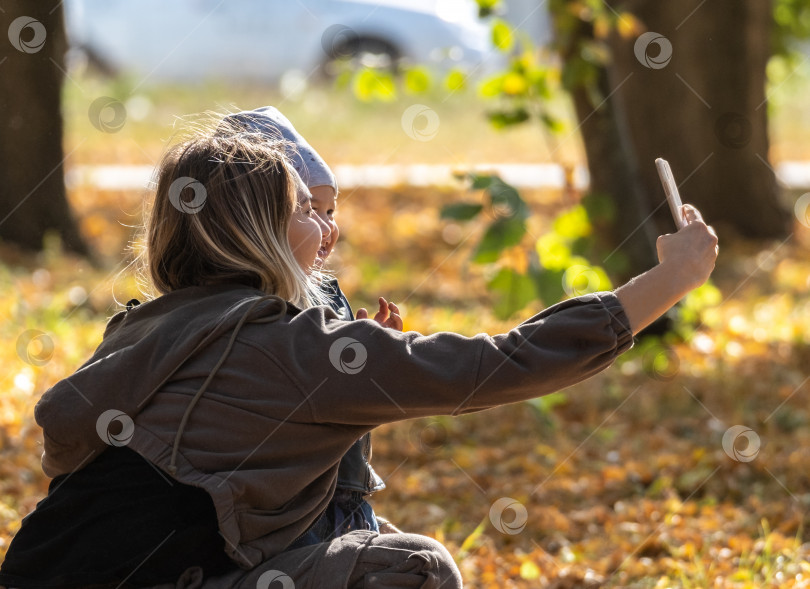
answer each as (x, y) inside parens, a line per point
(172, 468)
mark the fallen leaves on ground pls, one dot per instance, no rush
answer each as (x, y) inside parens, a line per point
(623, 480)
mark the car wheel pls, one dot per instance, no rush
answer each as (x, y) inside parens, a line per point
(356, 52)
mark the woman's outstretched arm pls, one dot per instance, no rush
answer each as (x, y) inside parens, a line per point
(381, 375)
(686, 259)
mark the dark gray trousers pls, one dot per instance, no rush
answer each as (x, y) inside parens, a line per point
(358, 560)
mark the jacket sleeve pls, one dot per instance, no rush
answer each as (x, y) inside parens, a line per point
(362, 374)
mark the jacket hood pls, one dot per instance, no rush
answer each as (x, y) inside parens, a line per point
(142, 347)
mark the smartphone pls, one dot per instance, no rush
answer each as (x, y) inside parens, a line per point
(671, 190)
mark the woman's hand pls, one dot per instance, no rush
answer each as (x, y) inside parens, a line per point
(692, 251)
(387, 316)
(686, 261)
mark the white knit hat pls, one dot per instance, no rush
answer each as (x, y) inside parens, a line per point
(308, 163)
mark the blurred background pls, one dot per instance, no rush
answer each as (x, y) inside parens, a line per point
(494, 158)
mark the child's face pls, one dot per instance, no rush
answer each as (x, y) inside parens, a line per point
(307, 232)
(324, 204)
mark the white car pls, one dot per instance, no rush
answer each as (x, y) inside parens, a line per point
(189, 40)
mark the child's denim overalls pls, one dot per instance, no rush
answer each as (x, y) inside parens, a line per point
(348, 510)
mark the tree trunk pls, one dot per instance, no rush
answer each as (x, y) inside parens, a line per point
(611, 164)
(33, 201)
(704, 110)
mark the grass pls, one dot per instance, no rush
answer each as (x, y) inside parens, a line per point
(348, 131)
(343, 129)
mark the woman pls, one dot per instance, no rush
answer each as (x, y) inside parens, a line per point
(204, 435)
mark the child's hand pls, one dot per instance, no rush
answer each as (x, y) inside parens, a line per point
(386, 527)
(388, 315)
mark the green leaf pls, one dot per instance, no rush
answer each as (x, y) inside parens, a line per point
(417, 80)
(481, 181)
(501, 119)
(549, 283)
(618, 264)
(583, 246)
(546, 403)
(539, 80)
(501, 234)
(461, 211)
(343, 79)
(486, 7)
(512, 290)
(502, 36)
(506, 200)
(578, 72)
(600, 208)
(596, 53)
(696, 302)
(554, 125)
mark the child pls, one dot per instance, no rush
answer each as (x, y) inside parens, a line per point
(357, 480)
(205, 433)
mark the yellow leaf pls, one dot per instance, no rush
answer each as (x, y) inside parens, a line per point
(628, 25)
(529, 571)
(456, 80)
(688, 550)
(516, 259)
(470, 540)
(417, 80)
(502, 36)
(514, 83)
(573, 224)
(553, 251)
(601, 27)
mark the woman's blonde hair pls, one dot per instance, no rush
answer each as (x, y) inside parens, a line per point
(223, 204)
